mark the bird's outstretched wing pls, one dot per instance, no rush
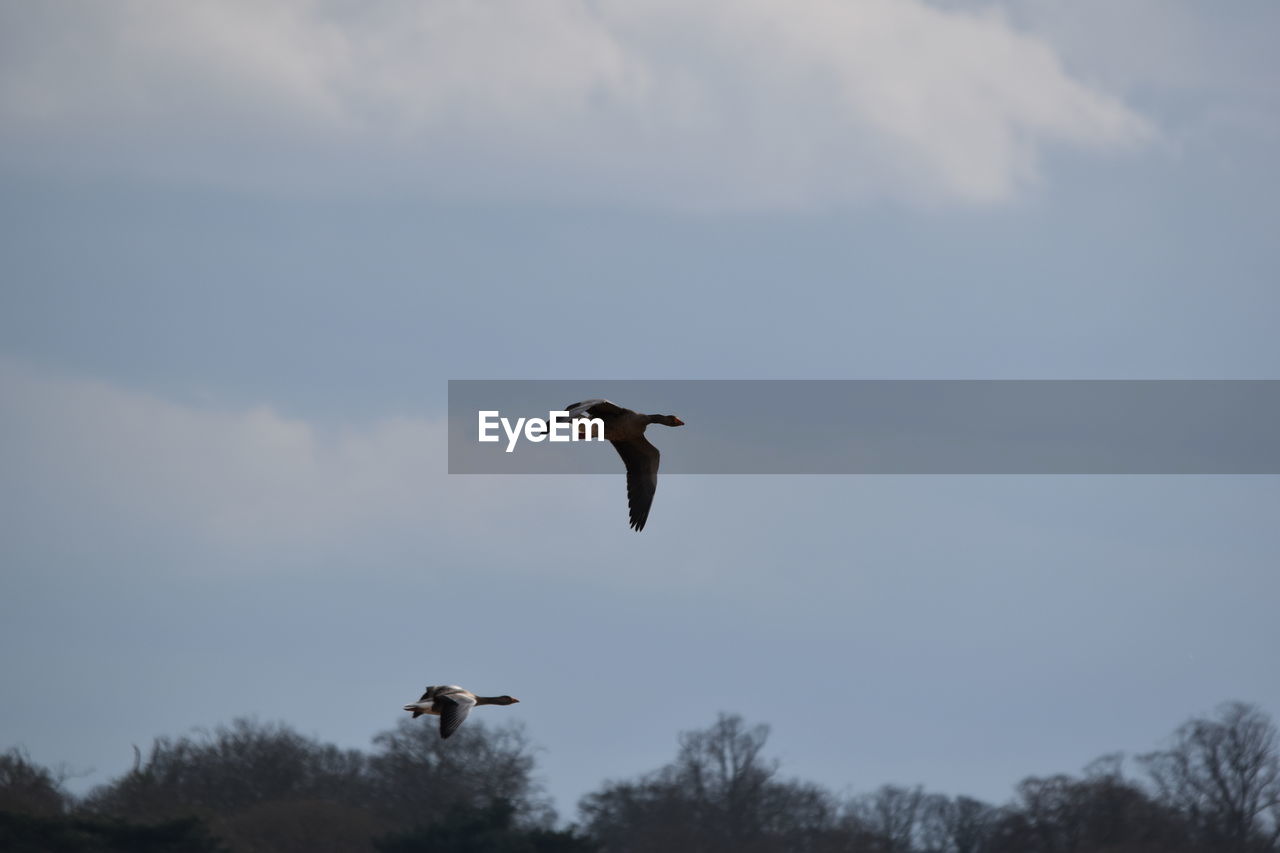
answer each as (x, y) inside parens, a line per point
(641, 459)
(453, 708)
(595, 408)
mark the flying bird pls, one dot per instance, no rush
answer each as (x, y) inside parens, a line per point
(451, 704)
(624, 429)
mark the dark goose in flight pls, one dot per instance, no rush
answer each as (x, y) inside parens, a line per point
(451, 704)
(625, 431)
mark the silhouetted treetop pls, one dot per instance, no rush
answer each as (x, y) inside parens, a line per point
(28, 788)
(1222, 774)
(250, 787)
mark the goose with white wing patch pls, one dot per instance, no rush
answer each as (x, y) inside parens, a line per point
(451, 704)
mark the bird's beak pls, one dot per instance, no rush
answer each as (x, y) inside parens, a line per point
(679, 422)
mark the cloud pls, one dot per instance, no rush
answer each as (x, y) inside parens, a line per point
(246, 476)
(96, 473)
(726, 104)
(1212, 74)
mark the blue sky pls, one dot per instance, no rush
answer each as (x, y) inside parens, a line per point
(245, 247)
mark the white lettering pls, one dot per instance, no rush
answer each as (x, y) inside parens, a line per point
(589, 429)
(486, 425)
(561, 428)
(558, 427)
(512, 434)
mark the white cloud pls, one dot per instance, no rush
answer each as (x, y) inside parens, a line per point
(98, 473)
(1212, 71)
(249, 476)
(108, 471)
(719, 104)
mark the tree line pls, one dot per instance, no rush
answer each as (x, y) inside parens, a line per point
(249, 787)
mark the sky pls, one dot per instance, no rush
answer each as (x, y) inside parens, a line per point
(246, 246)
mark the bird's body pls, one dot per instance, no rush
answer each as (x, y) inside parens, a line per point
(624, 429)
(451, 704)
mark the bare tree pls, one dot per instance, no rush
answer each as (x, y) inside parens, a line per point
(892, 814)
(264, 787)
(230, 769)
(960, 825)
(27, 788)
(720, 794)
(258, 786)
(416, 777)
(1102, 812)
(1223, 774)
(722, 769)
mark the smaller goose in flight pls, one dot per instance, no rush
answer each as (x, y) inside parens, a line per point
(625, 431)
(451, 704)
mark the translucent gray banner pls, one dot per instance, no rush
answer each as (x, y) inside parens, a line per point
(889, 426)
